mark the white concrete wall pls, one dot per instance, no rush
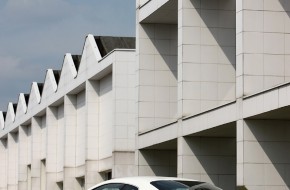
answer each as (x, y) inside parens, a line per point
(106, 117)
(24, 155)
(52, 147)
(3, 164)
(12, 174)
(157, 75)
(92, 134)
(124, 105)
(262, 45)
(81, 128)
(206, 54)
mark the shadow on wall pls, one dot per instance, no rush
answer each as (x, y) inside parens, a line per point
(164, 39)
(217, 158)
(158, 163)
(286, 5)
(219, 24)
(274, 140)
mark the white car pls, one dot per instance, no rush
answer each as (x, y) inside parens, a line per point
(153, 183)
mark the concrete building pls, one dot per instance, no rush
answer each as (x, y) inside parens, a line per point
(213, 91)
(206, 95)
(77, 128)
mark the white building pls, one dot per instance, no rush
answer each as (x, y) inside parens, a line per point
(206, 95)
(219, 73)
(77, 128)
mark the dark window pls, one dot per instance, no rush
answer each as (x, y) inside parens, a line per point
(116, 186)
(182, 185)
(169, 185)
(129, 187)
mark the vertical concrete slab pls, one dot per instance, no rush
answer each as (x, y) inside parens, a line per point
(208, 159)
(106, 118)
(70, 140)
(24, 155)
(124, 102)
(12, 161)
(81, 128)
(92, 134)
(36, 123)
(51, 159)
(3, 163)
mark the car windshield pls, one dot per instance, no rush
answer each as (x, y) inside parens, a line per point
(182, 185)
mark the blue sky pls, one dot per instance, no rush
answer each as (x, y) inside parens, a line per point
(35, 35)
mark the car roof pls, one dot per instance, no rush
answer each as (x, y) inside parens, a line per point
(143, 181)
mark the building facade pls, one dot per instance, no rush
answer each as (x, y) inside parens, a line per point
(203, 95)
(77, 128)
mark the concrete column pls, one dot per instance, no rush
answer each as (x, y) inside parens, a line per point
(124, 126)
(13, 161)
(36, 123)
(52, 147)
(81, 130)
(92, 134)
(24, 156)
(263, 154)
(206, 54)
(208, 159)
(3, 163)
(70, 115)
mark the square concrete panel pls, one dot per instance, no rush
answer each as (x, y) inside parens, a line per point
(192, 35)
(253, 42)
(274, 65)
(253, 64)
(191, 17)
(209, 90)
(274, 21)
(191, 72)
(253, 21)
(191, 53)
(274, 43)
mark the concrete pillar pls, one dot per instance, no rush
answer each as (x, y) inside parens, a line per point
(13, 160)
(36, 123)
(24, 156)
(81, 129)
(124, 113)
(263, 154)
(206, 54)
(92, 134)
(208, 159)
(51, 159)
(3, 163)
(70, 115)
